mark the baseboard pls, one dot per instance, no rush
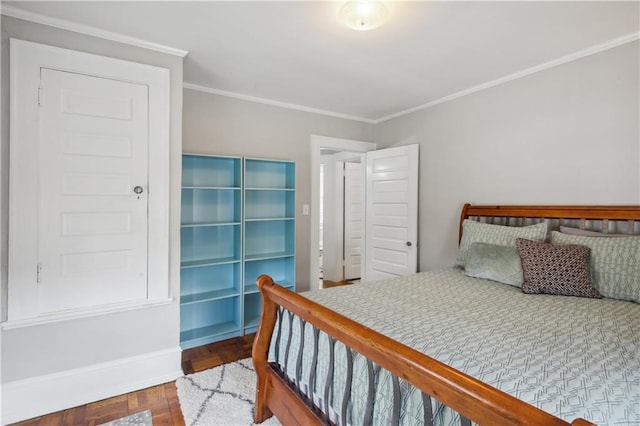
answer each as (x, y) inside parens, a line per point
(25, 399)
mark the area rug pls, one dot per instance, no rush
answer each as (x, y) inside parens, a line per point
(224, 395)
(142, 418)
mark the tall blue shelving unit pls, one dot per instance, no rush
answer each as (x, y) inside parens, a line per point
(211, 249)
(237, 222)
(269, 230)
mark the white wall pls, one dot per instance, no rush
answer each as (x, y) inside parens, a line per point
(37, 356)
(566, 135)
(221, 125)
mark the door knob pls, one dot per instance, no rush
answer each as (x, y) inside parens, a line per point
(138, 190)
(408, 243)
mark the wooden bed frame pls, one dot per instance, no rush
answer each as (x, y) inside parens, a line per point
(475, 401)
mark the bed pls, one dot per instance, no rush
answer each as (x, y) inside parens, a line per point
(444, 347)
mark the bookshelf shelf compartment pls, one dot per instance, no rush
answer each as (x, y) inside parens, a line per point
(269, 238)
(269, 174)
(252, 308)
(209, 321)
(210, 206)
(280, 269)
(211, 171)
(274, 204)
(210, 282)
(210, 244)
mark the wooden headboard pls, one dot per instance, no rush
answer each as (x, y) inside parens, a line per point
(622, 219)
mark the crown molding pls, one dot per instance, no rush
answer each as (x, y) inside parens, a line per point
(38, 18)
(528, 71)
(271, 102)
(15, 12)
(592, 50)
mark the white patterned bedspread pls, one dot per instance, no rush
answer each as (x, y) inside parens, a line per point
(572, 357)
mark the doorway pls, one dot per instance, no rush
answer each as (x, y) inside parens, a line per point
(323, 145)
(390, 233)
(341, 216)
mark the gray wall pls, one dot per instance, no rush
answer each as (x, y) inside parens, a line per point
(221, 125)
(37, 350)
(566, 135)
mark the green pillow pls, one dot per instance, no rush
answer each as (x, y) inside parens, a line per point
(615, 263)
(496, 263)
(476, 232)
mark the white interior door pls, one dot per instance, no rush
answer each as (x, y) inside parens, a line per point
(93, 148)
(352, 220)
(391, 212)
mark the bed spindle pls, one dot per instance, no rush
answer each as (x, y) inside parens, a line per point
(280, 313)
(288, 347)
(329, 381)
(347, 386)
(395, 413)
(303, 323)
(428, 409)
(371, 375)
(314, 363)
(464, 421)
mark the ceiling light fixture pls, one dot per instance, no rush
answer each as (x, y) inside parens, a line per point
(363, 15)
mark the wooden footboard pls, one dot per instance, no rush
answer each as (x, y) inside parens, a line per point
(277, 394)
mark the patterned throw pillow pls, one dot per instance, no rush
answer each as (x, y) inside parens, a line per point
(615, 264)
(495, 263)
(555, 269)
(476, 232)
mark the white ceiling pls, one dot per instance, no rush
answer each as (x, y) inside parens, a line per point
(297, 52)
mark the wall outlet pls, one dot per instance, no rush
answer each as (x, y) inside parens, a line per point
(305, 209)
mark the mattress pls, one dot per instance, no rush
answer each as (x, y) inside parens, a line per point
(572, 357)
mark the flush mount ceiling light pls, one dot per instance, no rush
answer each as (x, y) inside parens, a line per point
(363, 15)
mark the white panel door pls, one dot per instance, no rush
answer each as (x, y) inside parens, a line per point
(352, 220)
(93, 147)
(391, 212)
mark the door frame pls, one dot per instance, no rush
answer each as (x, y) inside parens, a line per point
(317, 144)
(333, 198)
(26, 60)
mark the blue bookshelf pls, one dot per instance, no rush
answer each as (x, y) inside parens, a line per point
(269, 230)
(237, 222)
(210, 249)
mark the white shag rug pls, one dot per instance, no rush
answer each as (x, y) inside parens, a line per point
(143, 418)
(223, 396)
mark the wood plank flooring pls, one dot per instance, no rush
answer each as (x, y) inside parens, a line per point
(329, 284)
(162, 400)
